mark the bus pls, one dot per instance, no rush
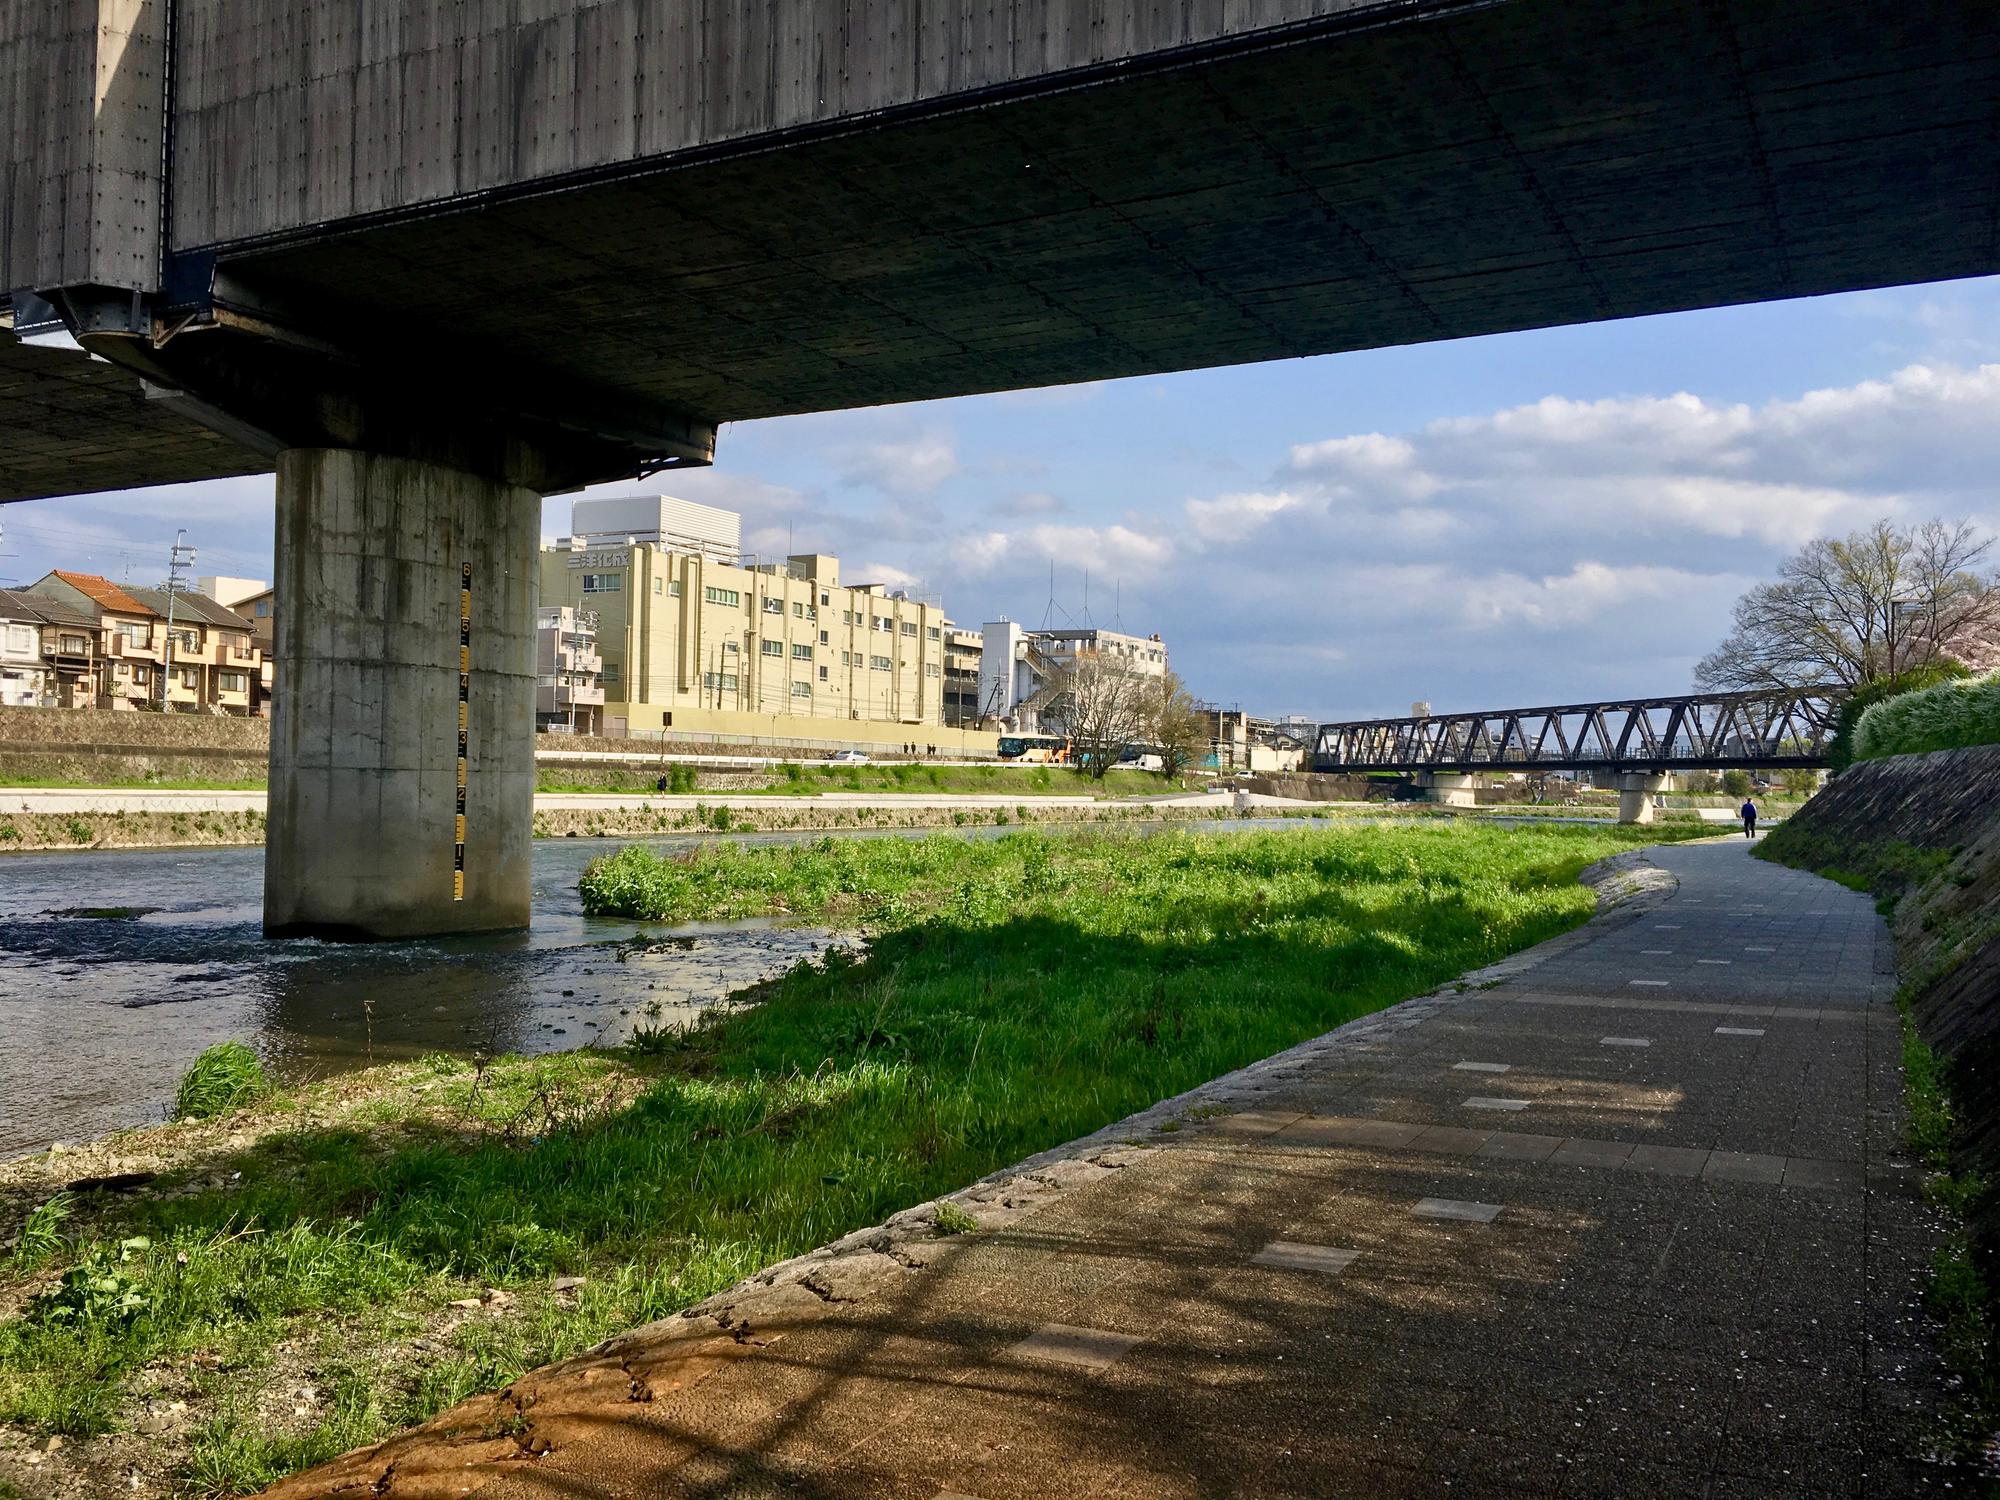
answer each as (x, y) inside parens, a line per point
(1041, 749)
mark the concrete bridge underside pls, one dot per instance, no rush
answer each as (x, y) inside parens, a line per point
(532, 247)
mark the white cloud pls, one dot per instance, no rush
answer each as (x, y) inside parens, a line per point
(915, 465)
(1234, 518)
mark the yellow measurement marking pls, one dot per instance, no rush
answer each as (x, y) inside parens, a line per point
(461, 829)
(462, 706)
(458, 885)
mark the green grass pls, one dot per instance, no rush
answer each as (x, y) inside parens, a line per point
(225, 1077)
(1017, 993)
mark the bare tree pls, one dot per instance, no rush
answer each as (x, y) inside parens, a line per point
(1098, 702)
(1172, 724)
(1861, 608)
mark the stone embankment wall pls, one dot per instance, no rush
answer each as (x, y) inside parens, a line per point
(1925, 829)
(1311, 786)
(84, 745)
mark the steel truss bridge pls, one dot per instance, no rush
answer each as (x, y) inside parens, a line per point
(1705, 731)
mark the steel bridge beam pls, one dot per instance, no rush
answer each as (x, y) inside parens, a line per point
(1779, 729)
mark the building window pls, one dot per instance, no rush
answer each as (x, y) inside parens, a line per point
(610, 672)
(847, 658)
(673, 588)
(802, 653)
(602, 583)
(772, 648)
(798, 610)
(909, 627)
(659, 585)
(847, 617)
(263, 609)
(730, 648)
(135, 633)
(802, 690)
(824, 638)
(723, 596)
(190, 677)
(772, 606)
(825, 598)
(74, 645)
(930, 669)
(881, 663)
(822, 674)
(140, 674)
(724, 680)
(880, 622)
(20, 637)
(934, 633)
(232, 682)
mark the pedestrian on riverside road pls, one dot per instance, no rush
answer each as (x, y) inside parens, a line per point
(1749, 811)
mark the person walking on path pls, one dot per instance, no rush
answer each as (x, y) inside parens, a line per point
(1749, 811)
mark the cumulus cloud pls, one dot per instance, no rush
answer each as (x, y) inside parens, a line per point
(1110, 549)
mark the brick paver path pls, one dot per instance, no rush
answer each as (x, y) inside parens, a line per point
(1632, 1222)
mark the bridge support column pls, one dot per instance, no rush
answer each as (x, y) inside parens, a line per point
(1636, 791)
(402, 738)
(1451, 788)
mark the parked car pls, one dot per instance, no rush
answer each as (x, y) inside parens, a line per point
(848, 757)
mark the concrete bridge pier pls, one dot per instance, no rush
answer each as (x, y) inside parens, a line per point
(1451, 788)
(1636, 791)
(402, 737)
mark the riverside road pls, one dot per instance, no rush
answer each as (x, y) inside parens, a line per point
(1635, 1219)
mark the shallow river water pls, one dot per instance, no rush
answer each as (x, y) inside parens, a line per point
(99, 1016)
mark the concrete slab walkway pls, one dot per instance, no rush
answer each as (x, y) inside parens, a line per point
(1633, 1220)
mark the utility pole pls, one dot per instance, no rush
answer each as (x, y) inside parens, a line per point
(180, 558)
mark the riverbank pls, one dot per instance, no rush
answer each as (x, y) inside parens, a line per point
(326, 1277)
(214, 821)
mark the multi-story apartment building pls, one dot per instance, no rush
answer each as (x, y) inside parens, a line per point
(962, 649)
(693, 644)
(569, 698)
(1021, 670)
(185, 653)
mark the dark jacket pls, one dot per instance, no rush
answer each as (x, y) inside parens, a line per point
(1749, 810)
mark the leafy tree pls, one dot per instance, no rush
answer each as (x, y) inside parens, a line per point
(1736, 783)
(1173, 724)
(1862, 608)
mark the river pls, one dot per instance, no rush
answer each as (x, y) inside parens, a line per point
(101, 1014)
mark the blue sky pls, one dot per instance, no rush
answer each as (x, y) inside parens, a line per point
(1528, 518)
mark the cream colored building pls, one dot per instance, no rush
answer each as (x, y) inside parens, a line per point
(696, 646)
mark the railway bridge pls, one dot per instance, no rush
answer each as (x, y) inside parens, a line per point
(1639, 740)
(431, 261)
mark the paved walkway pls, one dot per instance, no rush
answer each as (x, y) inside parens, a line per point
(1632, 1221)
